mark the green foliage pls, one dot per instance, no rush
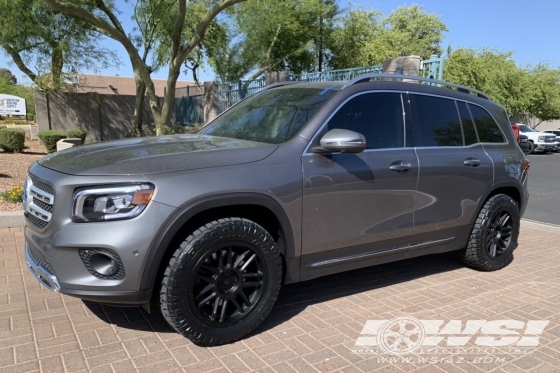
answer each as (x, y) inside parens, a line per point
(49, 47)
(526, 93)
(14, 194)
(77, 133)
(366, 37)
(50, 138)
(12, 140)
(7, 74)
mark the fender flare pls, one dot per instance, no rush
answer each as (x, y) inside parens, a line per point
(187, 212)
(497, 185)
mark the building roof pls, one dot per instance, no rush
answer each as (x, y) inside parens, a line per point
(120, 85)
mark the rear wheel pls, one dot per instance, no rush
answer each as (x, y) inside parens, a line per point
(494, 236)
(221, 282)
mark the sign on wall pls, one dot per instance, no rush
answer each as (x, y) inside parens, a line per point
(12, 105)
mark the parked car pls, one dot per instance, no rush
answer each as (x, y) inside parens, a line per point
(524, 144)
(298, 181)
(538, 141)
(557, 134)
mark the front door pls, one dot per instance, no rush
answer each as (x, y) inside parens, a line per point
(358, 208)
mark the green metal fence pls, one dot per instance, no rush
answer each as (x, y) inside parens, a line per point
(231, 93)
(335, 75)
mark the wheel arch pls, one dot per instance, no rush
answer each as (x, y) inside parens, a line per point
(510, 188)
(260, 208)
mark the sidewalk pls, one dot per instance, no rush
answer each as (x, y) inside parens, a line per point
(312, 328)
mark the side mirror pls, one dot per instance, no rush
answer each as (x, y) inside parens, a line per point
(345, 141)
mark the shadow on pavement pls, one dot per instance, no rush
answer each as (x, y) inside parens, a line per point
(294, 298)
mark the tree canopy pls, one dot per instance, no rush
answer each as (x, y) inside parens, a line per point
(45, 45)
(530, 94)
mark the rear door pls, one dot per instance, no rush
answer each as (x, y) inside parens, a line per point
(454, 172)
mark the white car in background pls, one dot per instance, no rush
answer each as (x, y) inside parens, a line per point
(538, 141)
(557, 134)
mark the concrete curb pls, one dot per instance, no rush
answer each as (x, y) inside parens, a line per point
(11, 219)
(546, 227)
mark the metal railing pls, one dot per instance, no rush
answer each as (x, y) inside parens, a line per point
(230, 93)
(335, 75)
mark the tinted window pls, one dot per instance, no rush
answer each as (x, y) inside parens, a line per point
(436, 122)
(488, 130)
(377, 116)
(272, 116)
(469, 131)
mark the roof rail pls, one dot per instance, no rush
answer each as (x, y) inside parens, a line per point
(460, 88)
(281, 84)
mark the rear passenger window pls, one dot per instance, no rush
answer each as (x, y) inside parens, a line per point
(468, 126)
(377, 116)
(488, 130)
(436, 121)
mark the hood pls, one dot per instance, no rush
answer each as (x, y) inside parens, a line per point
(150, 155)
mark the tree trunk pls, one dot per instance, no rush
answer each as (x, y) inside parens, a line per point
(56, 68)
(168, 100)
(138, 119)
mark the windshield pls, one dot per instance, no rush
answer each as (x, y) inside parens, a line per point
(523, 128)
(272, 116)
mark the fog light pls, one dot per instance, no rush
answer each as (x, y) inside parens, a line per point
(103, 263)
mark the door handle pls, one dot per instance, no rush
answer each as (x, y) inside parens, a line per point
(400, 166)
(472, 162)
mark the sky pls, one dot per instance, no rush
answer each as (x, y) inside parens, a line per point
(530, 29)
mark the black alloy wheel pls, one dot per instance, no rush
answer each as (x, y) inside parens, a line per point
(227, 284)
(499, 234)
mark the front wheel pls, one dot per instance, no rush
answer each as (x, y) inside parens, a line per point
(221, 282)
(531, 147)
(494, 236)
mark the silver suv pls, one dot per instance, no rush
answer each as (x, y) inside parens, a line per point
(298, 181)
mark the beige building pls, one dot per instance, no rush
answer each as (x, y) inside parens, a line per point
(120, 85)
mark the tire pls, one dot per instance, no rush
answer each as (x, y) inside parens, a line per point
(531, 148)
(221, 282)
(494, 236)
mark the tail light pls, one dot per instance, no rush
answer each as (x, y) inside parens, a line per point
(515, 129)
(526, 165)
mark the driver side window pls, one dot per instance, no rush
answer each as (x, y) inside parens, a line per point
(377, 116)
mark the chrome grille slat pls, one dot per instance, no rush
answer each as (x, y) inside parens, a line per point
(40, 203)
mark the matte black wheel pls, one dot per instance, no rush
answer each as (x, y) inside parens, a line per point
(494, 236)
(221, 282)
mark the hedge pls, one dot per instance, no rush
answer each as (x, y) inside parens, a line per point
(78, 133)
(12, 140)
(50, 138)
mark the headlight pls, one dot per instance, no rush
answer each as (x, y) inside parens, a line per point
(541, 138)
(110, 203)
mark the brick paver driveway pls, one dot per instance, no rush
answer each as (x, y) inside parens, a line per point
(313, 327)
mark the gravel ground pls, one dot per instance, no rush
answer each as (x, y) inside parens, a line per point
(13, 169)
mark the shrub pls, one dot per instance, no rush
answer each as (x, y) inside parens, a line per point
(12, 140)
(81, 134)
(50, 138)
(14, 194)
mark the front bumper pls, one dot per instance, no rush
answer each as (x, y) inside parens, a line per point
(545, 146)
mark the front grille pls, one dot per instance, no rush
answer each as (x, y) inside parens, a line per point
(40, 260)
(45, 206)
(43, 186)
(550, 139)
(40, 203)
(35, 221)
